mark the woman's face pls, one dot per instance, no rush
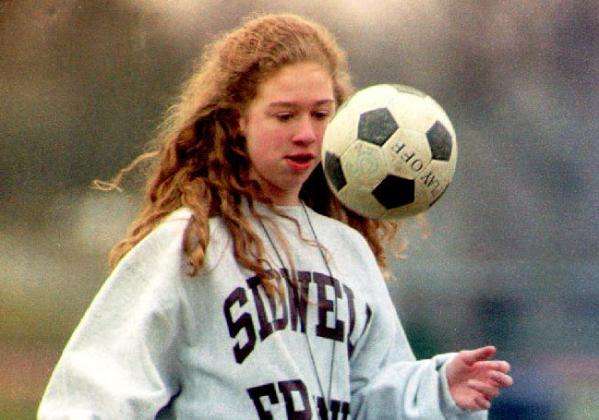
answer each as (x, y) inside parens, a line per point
(284, 125)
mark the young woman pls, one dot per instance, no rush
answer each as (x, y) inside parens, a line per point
(244, 289)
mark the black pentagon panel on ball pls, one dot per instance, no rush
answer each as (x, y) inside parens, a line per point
(332, 167)
(439, 141)
(394, 191)
(376, 126)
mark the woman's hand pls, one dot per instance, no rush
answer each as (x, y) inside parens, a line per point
(474, 380)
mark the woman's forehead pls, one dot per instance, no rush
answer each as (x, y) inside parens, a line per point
(302, 82)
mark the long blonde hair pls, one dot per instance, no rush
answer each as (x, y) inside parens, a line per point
(200, 158)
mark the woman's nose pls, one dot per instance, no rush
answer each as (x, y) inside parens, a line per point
(306, 131)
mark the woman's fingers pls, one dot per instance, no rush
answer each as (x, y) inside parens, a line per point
(472, 356)
(499, 365)
(482, 403)
(489, 391)
(501, 379)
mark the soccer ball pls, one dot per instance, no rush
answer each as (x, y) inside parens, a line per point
(389, 152)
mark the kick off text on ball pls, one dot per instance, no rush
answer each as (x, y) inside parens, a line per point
(417, 165)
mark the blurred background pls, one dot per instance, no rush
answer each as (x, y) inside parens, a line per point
(512, 257)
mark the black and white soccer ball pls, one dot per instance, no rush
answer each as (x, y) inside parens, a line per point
(389, 152)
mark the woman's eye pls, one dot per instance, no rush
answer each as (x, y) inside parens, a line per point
(321, 115)
(284, 117)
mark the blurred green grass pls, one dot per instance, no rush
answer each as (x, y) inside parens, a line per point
(31, 341)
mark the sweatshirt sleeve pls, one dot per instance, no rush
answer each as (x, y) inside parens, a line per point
(387, 382)
(407, 389)
(121, 361)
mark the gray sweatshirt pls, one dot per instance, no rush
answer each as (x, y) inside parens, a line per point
(157, 343)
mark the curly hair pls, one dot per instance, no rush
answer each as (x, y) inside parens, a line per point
(199, 156)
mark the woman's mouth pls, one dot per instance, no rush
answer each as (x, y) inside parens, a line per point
(300, 161)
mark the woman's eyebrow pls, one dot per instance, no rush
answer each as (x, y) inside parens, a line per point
(289, 104)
